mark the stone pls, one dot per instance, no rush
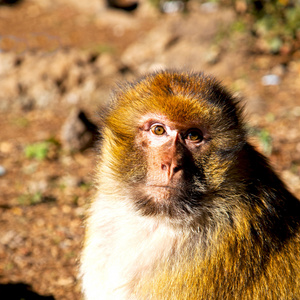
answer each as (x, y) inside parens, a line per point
(78, 132)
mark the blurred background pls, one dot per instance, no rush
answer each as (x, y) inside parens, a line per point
(59, 62)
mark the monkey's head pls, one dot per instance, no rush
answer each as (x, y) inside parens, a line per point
(172, 140)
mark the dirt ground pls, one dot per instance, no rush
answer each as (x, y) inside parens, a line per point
(43, 198)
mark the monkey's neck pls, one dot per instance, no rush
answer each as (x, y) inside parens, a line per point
(143, 251)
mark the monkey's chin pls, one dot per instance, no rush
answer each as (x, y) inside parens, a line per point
(158, 200)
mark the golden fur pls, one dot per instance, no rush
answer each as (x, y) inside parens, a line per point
(233, 230)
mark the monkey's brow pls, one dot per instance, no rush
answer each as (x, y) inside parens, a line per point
(148, 123)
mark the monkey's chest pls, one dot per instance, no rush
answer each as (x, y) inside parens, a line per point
(138, 256)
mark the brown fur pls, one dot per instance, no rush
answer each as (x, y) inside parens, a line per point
(224, 228)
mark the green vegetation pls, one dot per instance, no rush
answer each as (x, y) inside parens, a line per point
(34, 198)
(264, 138)
(276, 22)
(30, 199)
(41, 150)
(38, 151)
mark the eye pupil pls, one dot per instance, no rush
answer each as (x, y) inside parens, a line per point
(158, 130)
(194, 136)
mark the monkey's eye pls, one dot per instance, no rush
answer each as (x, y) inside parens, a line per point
(194, 135)
(158, 129)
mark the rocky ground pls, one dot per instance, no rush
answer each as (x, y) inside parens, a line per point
(59, 61)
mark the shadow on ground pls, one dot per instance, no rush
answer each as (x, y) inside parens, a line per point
(18, 291)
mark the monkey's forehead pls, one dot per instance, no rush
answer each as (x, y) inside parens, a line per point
(175, 108)
(179, 96)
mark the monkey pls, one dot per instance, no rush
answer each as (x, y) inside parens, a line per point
(186, 208)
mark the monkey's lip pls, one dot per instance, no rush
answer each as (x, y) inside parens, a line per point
(161, 193)
(162, 186)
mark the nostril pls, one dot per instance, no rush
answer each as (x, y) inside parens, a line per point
(176, 169)
(163, 167)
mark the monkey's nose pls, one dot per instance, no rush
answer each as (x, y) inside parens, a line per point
(170, 168)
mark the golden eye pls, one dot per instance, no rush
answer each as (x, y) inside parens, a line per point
(194, 135)
(158, 130)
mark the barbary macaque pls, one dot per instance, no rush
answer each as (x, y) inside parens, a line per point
(185, 207)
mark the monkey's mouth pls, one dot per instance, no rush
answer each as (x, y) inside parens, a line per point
(161, 192)
(163, 186)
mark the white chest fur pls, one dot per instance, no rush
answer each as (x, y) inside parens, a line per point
(121, 247)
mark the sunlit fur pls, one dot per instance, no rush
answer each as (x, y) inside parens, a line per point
(230, 231)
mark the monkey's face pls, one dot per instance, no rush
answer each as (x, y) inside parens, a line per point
(171, 139)
(169, 149)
